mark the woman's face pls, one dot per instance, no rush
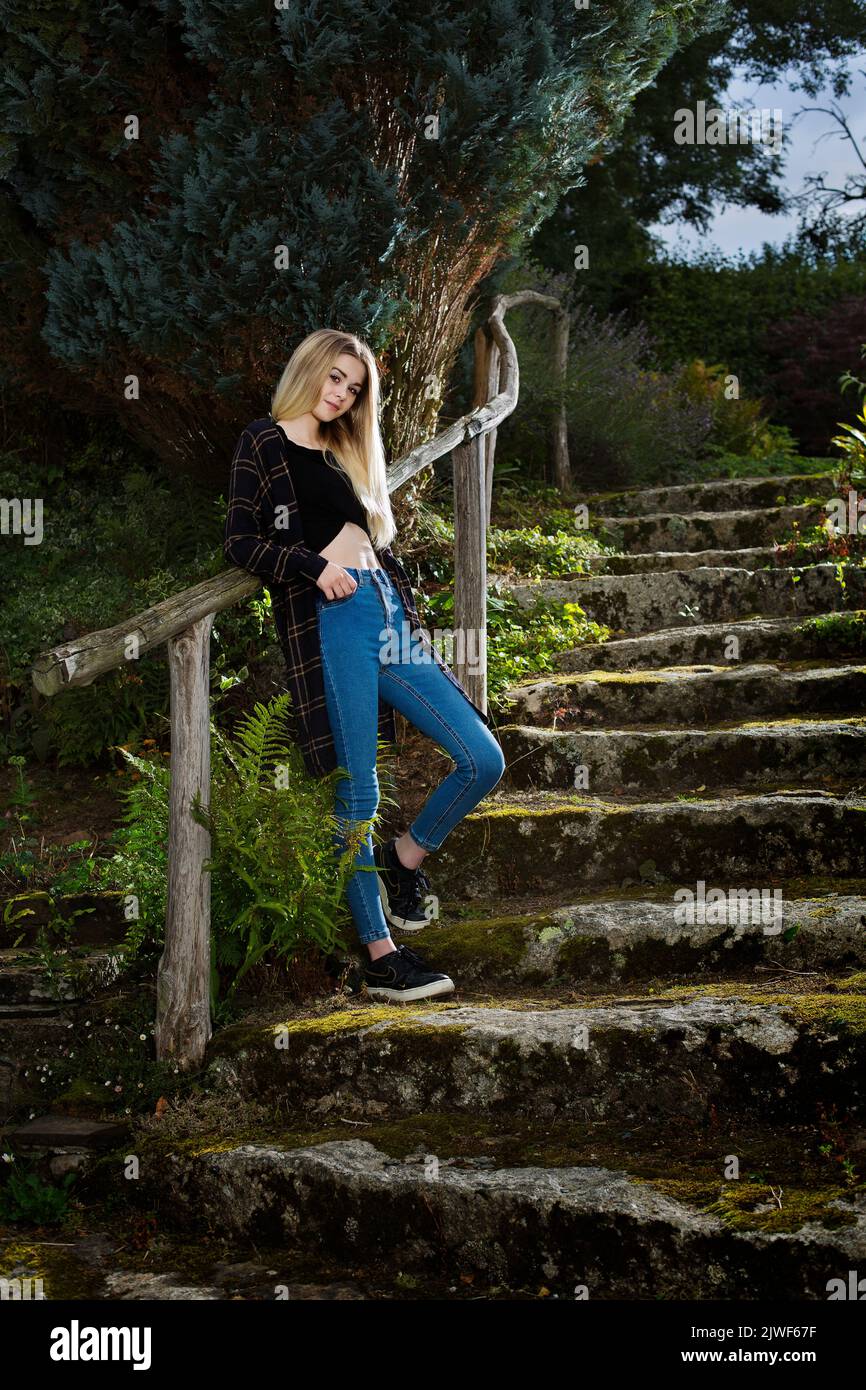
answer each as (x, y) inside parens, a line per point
(342, 387)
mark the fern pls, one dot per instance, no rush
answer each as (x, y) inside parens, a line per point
(277, 884)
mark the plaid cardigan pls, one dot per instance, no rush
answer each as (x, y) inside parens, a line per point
(260, 483)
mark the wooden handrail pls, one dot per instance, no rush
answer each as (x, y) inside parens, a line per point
(184, 622)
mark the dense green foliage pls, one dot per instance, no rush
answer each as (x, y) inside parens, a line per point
(119, 536)
(180, 217)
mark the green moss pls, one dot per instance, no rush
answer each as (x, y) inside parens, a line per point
(495, 945)
(842, 1009)
(745, 1206)
(241, 1036)
(256, 1045)
(61, 1273)
(577, 952)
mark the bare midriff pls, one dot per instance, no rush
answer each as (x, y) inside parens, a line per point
(351, 548)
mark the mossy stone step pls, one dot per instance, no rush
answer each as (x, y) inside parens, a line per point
(728, 530)
(688, 695)
(629, 1060)
(585, 1230)
(97, 1261)
(636, 604)
(825, 636)
(785, 751)
(600, 943)
(755, 558)
(719, 495)
(531, 842)
(26, 978)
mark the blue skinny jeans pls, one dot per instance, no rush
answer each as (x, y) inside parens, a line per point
(367, 652)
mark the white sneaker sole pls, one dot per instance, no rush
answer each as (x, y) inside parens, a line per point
(445, 986)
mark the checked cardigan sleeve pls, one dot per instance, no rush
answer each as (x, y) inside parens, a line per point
(246, 544)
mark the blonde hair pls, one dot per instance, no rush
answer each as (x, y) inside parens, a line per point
(354, 438)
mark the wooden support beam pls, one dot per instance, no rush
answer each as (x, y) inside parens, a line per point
(183, 1024)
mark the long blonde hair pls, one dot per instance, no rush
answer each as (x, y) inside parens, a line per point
(354, 438)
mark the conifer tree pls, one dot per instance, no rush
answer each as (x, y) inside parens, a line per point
(189, 188)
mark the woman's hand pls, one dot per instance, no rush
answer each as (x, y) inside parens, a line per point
(335, 582)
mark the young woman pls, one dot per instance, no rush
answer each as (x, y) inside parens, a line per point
(351, 635)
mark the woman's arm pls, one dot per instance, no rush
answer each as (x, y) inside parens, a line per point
(245, 544)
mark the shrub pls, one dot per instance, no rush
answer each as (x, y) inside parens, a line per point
(738, 426)
(627, 424)
(119, 537)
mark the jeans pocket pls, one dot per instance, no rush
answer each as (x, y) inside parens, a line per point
(326, 603)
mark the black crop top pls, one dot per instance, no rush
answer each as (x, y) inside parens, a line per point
(325, 496)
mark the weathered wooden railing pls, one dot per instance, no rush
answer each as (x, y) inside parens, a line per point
(184, 621)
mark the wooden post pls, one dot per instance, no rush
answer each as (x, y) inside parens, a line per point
(487, 360)
(470, 568)
(183, 1023)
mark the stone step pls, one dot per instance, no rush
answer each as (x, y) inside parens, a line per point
(772, 1056)
(641, 934)
(687, 695)
(707, 530)
(527, 842)
(88, 1265)
(633, 604)
(591, 1212)
(655, 560)
(799, 753)
(60, 1144)
(721, 495)
(25, 978)
(757, 639)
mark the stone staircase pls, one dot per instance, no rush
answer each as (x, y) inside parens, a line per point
(619, 1101)
(571, 1118)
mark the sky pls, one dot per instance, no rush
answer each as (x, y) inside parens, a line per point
(804, 151)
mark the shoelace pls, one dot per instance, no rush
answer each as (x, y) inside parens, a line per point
(413, 958)
(414, 885)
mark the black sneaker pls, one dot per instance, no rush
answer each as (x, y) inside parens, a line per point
(403, 975)
(402, 890)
